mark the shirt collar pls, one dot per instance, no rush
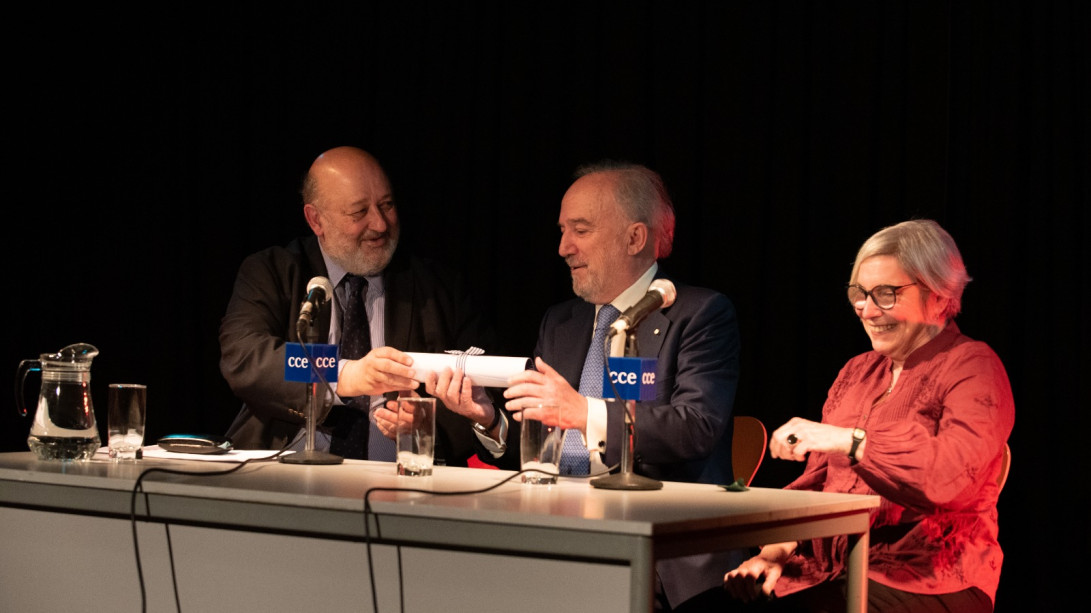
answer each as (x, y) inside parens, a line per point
(940, 343)
(634, 292)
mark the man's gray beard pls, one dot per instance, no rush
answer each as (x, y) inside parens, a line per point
(588, 289)
(359, 263)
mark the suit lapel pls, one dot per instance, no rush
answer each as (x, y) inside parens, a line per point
(313, 254)
(575, 334)
(399, 305)
(650, 334)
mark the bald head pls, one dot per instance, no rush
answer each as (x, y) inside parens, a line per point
(349, 205)
(338, 163)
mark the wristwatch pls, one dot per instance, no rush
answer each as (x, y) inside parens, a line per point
(494, 446)
(858, 435)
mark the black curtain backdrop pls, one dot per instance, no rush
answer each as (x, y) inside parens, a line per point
(150, 150)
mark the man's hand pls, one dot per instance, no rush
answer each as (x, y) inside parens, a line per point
(382, 370)
(545, 386)
(386, 415)
(458, 393)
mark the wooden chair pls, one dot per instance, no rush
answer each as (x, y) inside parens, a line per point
(1005, 466)
(748, 447)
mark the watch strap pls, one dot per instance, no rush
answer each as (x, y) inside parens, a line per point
(858, 435)
(495, 446)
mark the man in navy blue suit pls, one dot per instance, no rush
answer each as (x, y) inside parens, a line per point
(617, 222)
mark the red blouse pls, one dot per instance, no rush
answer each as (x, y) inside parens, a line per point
(933, 454)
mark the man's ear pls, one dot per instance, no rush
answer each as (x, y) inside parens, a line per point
(637, 235)
(314, 218)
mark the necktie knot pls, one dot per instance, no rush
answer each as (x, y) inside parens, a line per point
(355, 286)
(608, 314)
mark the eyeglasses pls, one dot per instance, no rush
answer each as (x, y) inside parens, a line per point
(883, 296)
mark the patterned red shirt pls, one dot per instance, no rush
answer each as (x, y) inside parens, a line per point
(934, 450)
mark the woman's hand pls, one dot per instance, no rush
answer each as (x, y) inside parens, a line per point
(757, 577)
(798, 437)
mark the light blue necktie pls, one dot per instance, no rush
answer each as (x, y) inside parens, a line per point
(574, 455)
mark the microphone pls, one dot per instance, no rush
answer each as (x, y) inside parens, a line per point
(661, 294)
(319, 292)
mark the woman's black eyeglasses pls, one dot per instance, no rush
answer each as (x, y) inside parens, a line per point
(883, 296)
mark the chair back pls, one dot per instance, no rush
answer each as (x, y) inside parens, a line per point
(1005, 466)
(748, 447)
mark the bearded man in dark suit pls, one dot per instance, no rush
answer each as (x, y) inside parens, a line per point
(413, 305)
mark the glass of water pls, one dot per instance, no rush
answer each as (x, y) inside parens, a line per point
(127, 406)
(416, 436)
(540, 445)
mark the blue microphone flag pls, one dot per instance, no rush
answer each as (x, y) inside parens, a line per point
(297, 363)
(634, 379)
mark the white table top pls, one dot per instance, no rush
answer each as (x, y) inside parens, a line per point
(330, 499)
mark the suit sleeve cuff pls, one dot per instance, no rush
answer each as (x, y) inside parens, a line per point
(496, 448)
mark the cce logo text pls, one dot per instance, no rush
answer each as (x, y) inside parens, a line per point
(319, 362)
(629, 378)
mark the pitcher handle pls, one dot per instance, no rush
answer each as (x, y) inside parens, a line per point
(20, 378)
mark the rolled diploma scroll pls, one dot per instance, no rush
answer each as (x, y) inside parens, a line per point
(484, 370)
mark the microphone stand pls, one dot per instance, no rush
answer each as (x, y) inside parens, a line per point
(310, 455)
(626, 479)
